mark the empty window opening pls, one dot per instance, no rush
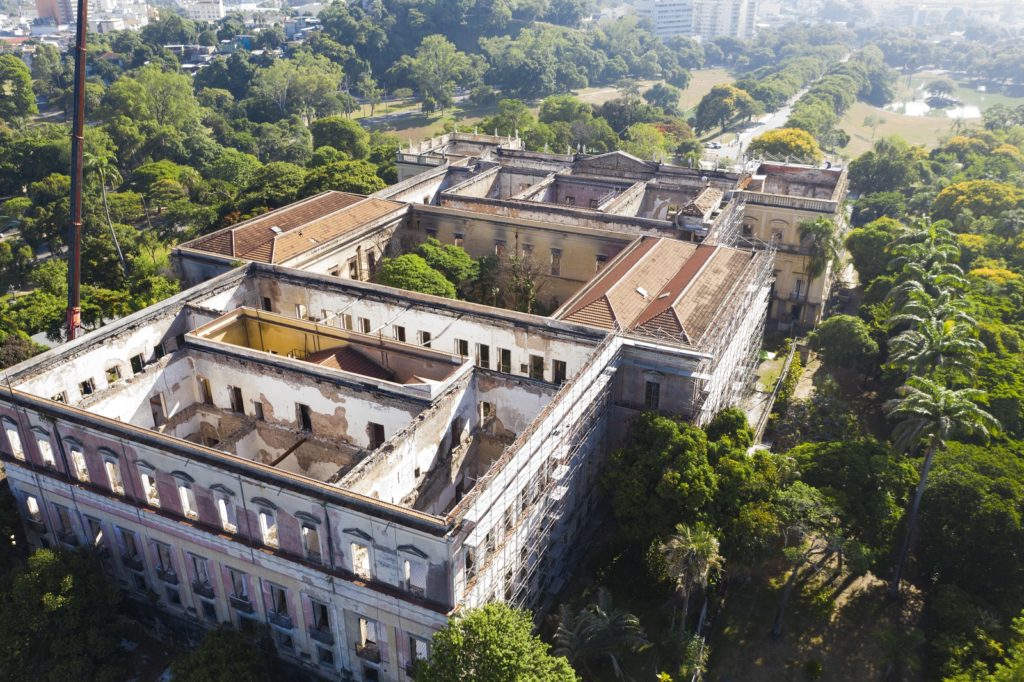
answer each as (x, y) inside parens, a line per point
(321, 616)
(305, 417)
(226, 512)
(61, 397)
(113, 374)
(556, 262)
(425, 339)
(347, 321)
(376, 434)
(311, 542)
(257, 410)
(353, 268)
(462, 347)
(652, 395)
(371, 262)
(268, 528)
(600, 262)
(268, 304)
(300, 311)
(361, 561)
(460, 239)
(483, 355)
(158, 351)
(78, 463)
(188, 500)
(537, 367)
(114, 477)
(278, 600)
(95, 529)
(399, 333)
(34, 513)
(46, 450)
(138, 363)
(237, 402)
(504, 360)
(570, 200)
(87, 387)
(239, 585)
(164, 564)
(558, 371)
(157, 410)
(201, 570)
(414, 575)
(64, 527)
(364, 325)
(149, 488)
(470, 562)
(419, 649)
(205, 394)
(324, 656)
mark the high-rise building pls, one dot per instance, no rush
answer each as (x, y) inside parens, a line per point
(705, 19)
(59, 10)
(717, 18)
(668, 17)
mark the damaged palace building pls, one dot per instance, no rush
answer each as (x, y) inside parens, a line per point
(286, 443)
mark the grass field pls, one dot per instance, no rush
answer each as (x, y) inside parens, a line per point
(421, 126)
(921, 130)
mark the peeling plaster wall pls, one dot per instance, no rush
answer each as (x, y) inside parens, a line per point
(342, 412)
(444, 321)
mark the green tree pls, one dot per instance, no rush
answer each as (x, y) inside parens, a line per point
(224, 656)
(597, 633)
(344, 176)
(691, 559)
(660, 478)
(935, 343)
(781, 143)
(452, 261)
(272, 186)
(845, 342)
(106, 171)
(720, 106)
(411, 272)
(645, 141)
(927, 415)
(437, 67)
(17, 100)
(493, 643)
(61, 621)
(872, 207)
(890, 166)
(818, 236)
(306, 85)
(941, 87)
(343, 134)
(664, 96)
(868, 247)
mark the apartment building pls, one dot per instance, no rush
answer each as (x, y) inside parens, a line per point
(702, 19)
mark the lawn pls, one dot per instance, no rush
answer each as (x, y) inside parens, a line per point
(921, 130)
(420, 126)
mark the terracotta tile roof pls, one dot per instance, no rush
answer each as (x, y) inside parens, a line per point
(627, 288)
(290, 244)
(251, 239)
(706, 201)
(664, 287)
(349, 359)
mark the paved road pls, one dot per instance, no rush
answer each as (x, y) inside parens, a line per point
(776, 119)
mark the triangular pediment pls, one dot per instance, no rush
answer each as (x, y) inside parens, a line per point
(617, 161)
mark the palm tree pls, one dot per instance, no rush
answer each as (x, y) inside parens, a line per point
(691, 557)
(935, 343)
(929, 414)
(921, 307)
(597, 631)
(818, 236)
(104, 167)
(925, 243)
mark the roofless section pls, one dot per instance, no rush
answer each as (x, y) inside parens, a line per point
(333, 350)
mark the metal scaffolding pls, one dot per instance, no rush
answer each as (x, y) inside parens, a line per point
(529, 509)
